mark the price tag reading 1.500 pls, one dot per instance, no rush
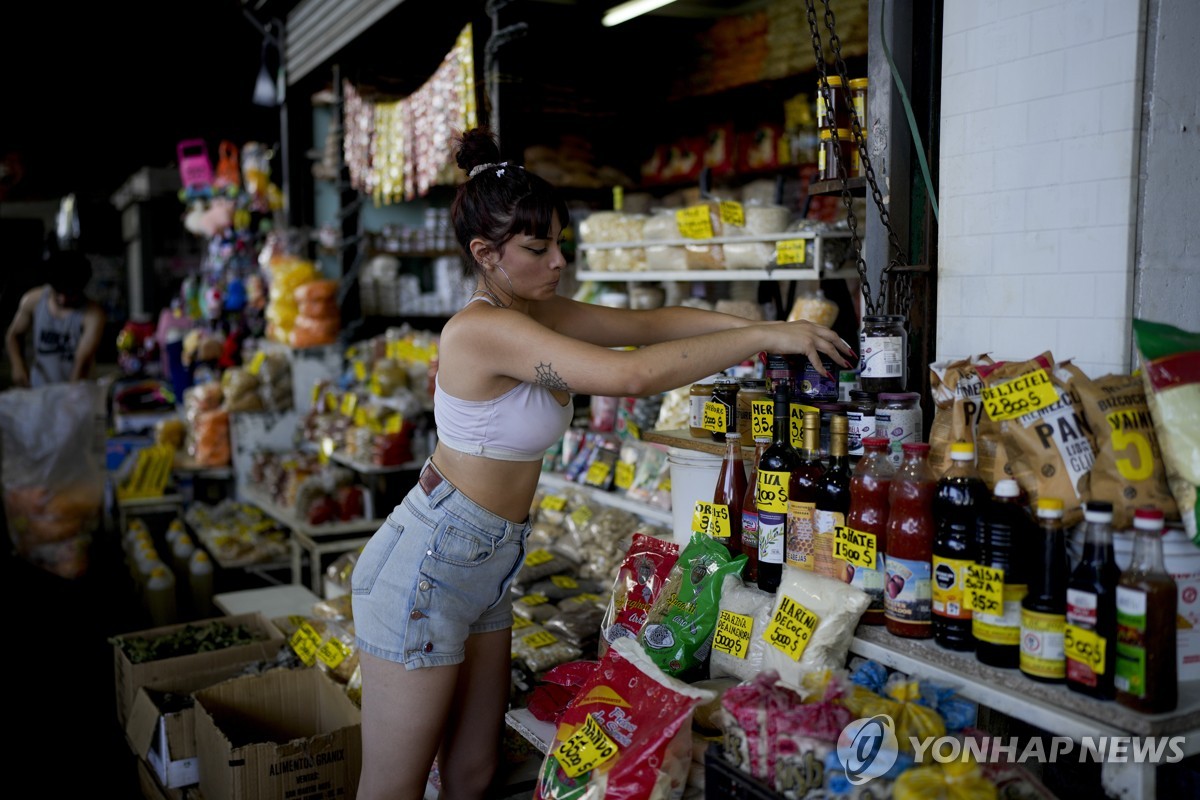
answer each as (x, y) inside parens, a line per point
(587, 748)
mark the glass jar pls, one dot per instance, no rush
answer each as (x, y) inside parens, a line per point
(837, 147)
(883, 345)
(725, 393)
(698, 395)
(828, 411)
(860, 413)
(898, 418)
(858, 100)
(839, 115)
(751, 389)
(812, 386)
(780, 371)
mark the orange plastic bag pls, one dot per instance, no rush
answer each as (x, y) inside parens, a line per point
(324, 289)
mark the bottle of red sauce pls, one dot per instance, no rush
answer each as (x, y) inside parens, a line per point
(729, 494)
(750, 513)
(868, 514)
(908, 594)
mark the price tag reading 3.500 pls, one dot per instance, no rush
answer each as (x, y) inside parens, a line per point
(587, 748)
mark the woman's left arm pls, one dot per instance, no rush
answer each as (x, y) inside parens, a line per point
(619, 327)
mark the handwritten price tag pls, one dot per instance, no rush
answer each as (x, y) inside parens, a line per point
(1020, 396)
(535, 558)
(694, 222)
(762, 415)
(597, 474)
(732, 635)
(985, 589)
(306, 642)
(714, 417)
(791, 628)
(732, 213)
(624, 478)
(1084, 646)
(796, 413)
(553, 502)
(587, 748)
(791, 251)
(771, 494)
(711, 519)
(854, 547)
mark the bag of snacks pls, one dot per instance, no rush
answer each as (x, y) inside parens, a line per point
(638, 583)
(955, 386)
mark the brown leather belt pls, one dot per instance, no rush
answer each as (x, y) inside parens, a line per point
(430, 479)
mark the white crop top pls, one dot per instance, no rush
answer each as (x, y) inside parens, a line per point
(519, 425)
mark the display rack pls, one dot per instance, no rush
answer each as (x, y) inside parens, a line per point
(557, 482)
(367, 468)
(315, 540)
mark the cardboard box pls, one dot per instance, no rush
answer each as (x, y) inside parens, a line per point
(162, 734)
(287, 733)
(151, 788)
(130, 677)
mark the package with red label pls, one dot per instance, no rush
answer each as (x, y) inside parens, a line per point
(641, 577)
(625, 736)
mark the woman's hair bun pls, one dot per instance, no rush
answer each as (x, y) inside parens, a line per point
(477, 146)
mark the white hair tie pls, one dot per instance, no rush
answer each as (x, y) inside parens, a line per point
(481, 167)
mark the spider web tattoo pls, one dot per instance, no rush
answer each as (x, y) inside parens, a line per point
(546, 376)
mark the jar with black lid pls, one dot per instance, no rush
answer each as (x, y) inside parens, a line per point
(725, 394)
(860, 413)
(883, 348)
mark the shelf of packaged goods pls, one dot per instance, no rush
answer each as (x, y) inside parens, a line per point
(1051, 707)
(556, 482)
(537, 733)
(686, 242)
(316, 540)
(367, 468)
(725, 275)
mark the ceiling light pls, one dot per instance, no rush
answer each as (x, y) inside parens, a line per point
(627, 11)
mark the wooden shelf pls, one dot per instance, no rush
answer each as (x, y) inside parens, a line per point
(857, 187)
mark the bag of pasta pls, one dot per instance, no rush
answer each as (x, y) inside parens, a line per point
(955, 386)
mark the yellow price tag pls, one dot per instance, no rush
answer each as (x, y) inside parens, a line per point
(360, 417)
(694, 222)
(393, 424)
(581, 515)
(360, 371)
(791, 628)
(306, 642)
(256, 363)
(1084, 646)
(796, 413)
(791, 251)
(539, 639)
(535, 558)
(714, 417)
(535, 599)
(854, 547)
(624, 478)
(564, 581)
(984, 590)
(1020, 396)
(732, 213)
(331, 402)
(618, 198)
(585, 749)
(553, 502)
(719, 526)
(771, 493)
(732, 635)
(762, 417)
(333, 652)
(633, 430)
(520, 622)
(349, 403)
(597, 474)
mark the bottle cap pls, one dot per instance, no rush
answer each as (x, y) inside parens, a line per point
(1097, 511)
(733, 436)
(915, 447)
(875, 441)
(962, 451)
(838, 423)
(1148, 518)
(1050, 507)
(1007, 488)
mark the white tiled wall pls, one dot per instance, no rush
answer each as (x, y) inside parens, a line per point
(1041, 104)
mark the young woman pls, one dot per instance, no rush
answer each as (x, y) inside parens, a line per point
(431, 589)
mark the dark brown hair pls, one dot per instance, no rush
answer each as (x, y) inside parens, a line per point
(501, 201)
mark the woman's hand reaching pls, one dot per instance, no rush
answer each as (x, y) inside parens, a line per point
(811, 340)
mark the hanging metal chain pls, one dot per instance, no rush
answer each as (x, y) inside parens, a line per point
(895, 290)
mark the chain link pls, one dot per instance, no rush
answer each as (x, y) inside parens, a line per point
(895, 287)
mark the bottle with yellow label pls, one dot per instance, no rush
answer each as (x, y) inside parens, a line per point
(1000, 579)
(1044, 609)
(961, 494)
(1090, 635)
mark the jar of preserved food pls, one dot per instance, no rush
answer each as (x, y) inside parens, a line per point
(837, 147)
(898, 417)
(780, 371)
(752, 389)
(698, 395)
(725, 394)
(883, 345)
(858, 100)
(860, 413)
(837, 116)
(812, 386)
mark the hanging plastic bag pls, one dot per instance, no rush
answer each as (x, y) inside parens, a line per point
(53, 487)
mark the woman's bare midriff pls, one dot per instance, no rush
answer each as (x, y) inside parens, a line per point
(506, 488)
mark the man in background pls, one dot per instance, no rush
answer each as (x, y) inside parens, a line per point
(66, 325)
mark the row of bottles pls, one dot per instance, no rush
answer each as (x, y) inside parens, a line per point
(166, 597)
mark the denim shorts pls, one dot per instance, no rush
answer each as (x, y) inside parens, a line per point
(436, 571)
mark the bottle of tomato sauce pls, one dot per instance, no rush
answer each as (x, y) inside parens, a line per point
(908, 591)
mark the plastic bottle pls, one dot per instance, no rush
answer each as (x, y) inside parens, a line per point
(833, 502)
(774, 475)
(961, 493)
(1001, 576)
(868, 514)
(1090, 635)
(1044, 609)
(1147, 677)
(803, 489)
(175, 529)
(159, 595)
(181, 553)
(200, 579)
(750, 513)
(907, 594)
(729, 494)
